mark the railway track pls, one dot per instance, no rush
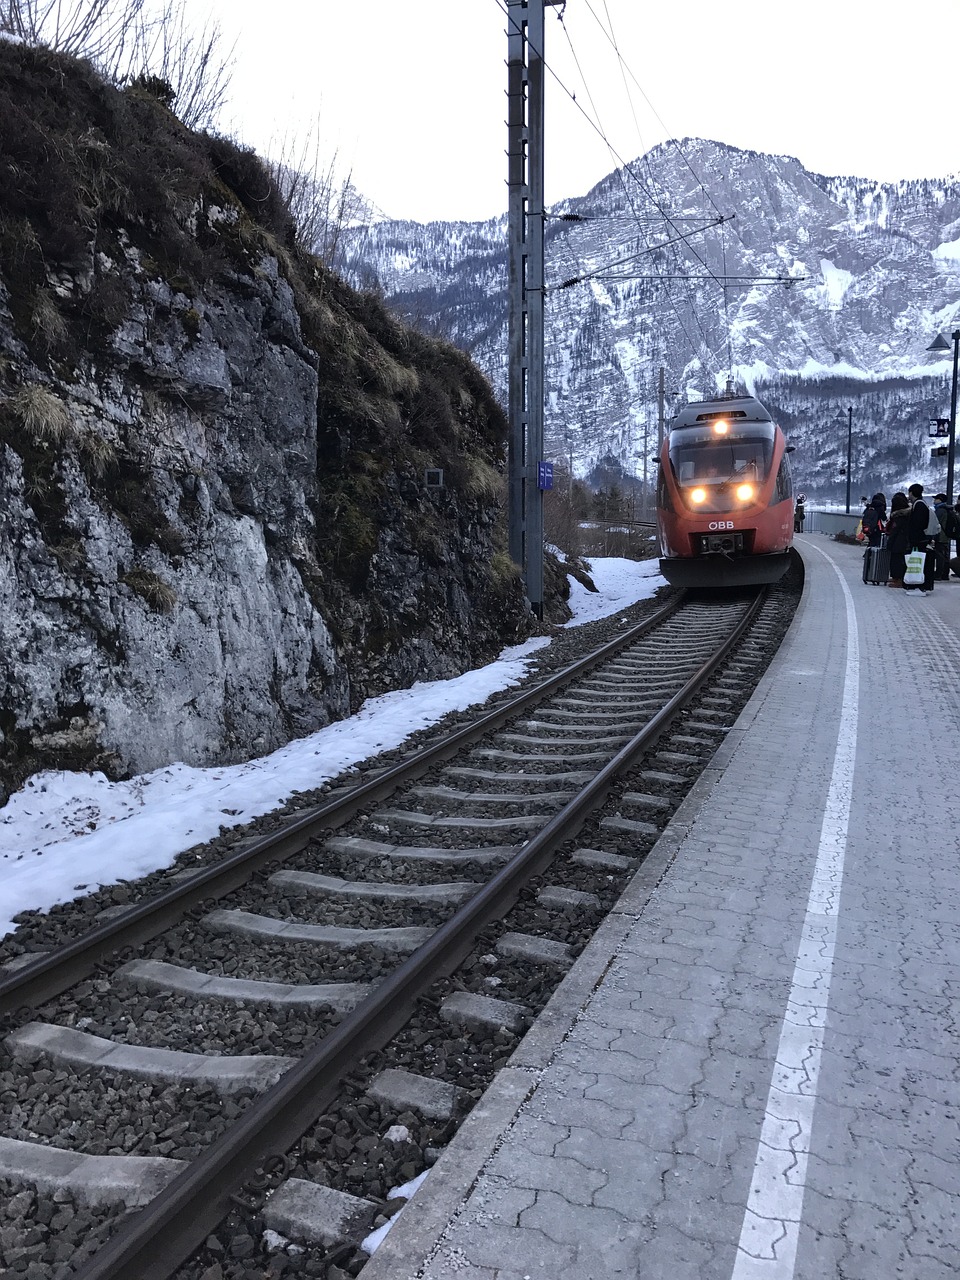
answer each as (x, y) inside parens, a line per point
(279, 1037)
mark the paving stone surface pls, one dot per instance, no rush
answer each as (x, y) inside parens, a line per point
(751, 1072)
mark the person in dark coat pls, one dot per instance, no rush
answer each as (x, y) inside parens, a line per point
(941, 543)
(898, 538)
(875, 519)
(918, 538)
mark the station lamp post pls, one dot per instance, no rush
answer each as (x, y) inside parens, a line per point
(849, 452)
(849, 468)
(940, 346)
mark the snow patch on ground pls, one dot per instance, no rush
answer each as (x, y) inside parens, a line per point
(64, 834)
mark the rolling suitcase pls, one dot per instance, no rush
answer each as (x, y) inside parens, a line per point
(876, 564)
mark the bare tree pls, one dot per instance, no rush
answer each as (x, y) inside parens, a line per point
(146, 40)
(564, 508)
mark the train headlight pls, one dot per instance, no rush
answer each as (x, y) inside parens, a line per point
(744, 492)
(720, 427)
(698, 495)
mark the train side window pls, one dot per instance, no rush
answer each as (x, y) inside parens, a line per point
(784, 481)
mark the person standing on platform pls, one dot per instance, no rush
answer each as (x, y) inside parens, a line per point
(897, 538)
(918, 537)
(880, 502)
(941, 543)
(875, 520)
(863, 513)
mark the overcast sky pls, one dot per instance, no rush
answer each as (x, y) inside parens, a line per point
(411, 93)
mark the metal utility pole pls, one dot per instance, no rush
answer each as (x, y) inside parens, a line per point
(952, 446)
(525, 33)
(646, 456)
(849, 453)
(940, 346)
(661, 409)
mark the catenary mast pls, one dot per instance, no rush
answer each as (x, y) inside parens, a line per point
(526, 472)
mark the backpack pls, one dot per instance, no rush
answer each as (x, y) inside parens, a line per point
(933, 529)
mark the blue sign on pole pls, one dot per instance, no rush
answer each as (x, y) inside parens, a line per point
(544, 475)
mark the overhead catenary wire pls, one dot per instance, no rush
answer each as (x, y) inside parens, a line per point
(598, 272)
(595, 125)
(610, 36)
(691, 301)
(619, 163)
(622, 65)
(596, 275)
(624, 169)
(621, 166)
(785, 280)
(625, 69)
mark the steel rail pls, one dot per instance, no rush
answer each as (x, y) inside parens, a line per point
(50, 975)
(153, 1243)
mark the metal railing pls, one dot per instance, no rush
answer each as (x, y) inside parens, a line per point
(830, 522)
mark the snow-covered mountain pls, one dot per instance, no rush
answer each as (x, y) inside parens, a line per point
(819, 293)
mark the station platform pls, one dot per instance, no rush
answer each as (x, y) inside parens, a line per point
(751, 1073)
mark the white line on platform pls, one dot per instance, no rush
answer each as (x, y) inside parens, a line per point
(771, 1221)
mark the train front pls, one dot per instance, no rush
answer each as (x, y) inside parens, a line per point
(724, 497)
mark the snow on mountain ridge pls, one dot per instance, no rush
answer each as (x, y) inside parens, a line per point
(873, 270)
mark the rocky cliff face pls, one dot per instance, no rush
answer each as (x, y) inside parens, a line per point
(236, 497)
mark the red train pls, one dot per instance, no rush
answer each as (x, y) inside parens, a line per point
(724, 495)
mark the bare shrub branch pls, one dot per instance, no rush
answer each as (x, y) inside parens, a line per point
(87, 28)
(143, 40)
(191, 61)
(320, 201)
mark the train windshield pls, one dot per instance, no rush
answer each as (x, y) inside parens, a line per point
(700, 457)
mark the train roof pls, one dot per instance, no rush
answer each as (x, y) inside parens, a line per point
(742, 408)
